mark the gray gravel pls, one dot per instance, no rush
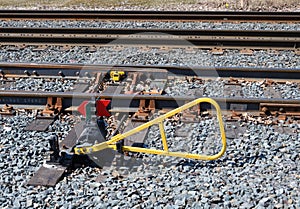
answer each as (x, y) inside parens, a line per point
(289, 90)
(215, 88)
(260, 169)
(41, 84)
(136, 56)
(21, 154)
(147, 24)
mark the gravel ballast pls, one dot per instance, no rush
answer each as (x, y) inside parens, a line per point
(136, 56)
(216, 88)
(260, 169)
(39, 84)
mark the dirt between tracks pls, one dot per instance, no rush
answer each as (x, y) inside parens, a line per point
(187, 5)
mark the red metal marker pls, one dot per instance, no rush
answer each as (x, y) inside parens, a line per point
(101, 106)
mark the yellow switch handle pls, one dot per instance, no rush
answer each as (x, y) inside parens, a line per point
(159, 120)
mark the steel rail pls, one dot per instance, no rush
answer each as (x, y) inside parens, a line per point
(153, 15)
(124, 100)
(125, 31)
(141, 37)
(91, 48)
(73, 69)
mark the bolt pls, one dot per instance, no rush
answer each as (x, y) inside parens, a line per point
(35, 73)
(60, 73)
(266, 111)
(26, 72)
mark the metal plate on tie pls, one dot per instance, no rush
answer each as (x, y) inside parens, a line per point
(47, 176)
(71, 139)
(39, 125)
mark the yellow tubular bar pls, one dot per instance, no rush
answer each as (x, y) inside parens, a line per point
(159, 120)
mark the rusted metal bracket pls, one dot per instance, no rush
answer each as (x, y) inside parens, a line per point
(53, 107)
(146, 109)
(65, 48)
(144, 48)
(246, 51)
(281, 111)
(118, 48)
(7, 110)
(217, 51)
(47, 116)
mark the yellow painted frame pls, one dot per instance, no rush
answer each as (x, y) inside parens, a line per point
(159, 120)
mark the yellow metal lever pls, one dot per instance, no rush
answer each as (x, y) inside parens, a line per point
(159, 120)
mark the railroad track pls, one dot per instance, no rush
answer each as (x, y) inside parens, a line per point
(40, 104)
(75, 69)
(154, 15)
(40, 98)
(158, 37)
(84, 79)
(139, 104)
